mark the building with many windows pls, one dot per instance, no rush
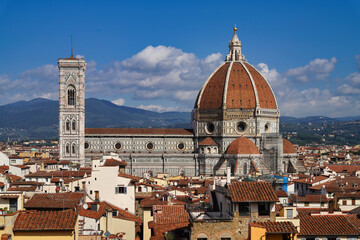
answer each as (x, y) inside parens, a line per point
(235, 123)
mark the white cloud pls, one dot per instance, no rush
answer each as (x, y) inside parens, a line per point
(154, 73)
(34, 83)
(119, 102)
(171, 75)
(186, 95)
(312, 100)
(158, 108)
(317, 69)
(348, 90)
(272, 76)
(351, 85)
(357, 58)
(354, 78)
(159, 72)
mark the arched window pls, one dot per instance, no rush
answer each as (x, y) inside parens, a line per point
(71, 96)
(74, 125)
(67, 125)
(73, 150)
(67, 149)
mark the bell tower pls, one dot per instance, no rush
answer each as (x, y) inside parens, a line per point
(72, 109)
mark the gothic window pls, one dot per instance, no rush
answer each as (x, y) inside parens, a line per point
(67, 125)
(67, 149)
(73, 125)
(71, 96)
(245, 169)
(73, 149)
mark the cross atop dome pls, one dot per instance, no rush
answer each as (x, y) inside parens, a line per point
(235, 49)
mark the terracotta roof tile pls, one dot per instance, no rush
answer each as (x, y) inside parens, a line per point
(138, 131)
(168, 218)
(242, 145)
(266, 97)
(276, 227)
(27, 183)
(326, 225)
(213, 91)
(310, 210)
(281, 193)
(65, 162)
(45, 220)
(288, 147)
(344, 168)
(170, 214)
(348, 195)
(240, 92)
(113, 162)
(313, 198)
(9, 196)
(133, 178)
(278, 207)
(75, 174)
(12, 178)
(22, 188)
(54, 200)
(102, 207)
(208, 142)
(21, 166)
(252, 192)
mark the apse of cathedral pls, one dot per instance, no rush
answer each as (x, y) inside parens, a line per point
(235, 125)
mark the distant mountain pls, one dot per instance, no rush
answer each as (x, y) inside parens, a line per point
(38, 118)
(311, 119)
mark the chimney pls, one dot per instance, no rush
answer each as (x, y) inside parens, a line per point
(228, 175)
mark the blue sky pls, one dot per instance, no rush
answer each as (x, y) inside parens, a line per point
(157, 54)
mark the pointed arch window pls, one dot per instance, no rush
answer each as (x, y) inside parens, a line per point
(67, 149)
(67, 125)
(73, 149)
(71, 96)
(74, 125)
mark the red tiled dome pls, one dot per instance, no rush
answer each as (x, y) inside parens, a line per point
(208, 142)
(242, 145)
(236, 85)
(288, 147)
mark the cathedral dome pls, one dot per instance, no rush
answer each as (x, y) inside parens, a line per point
(242, 145)
(235, 84)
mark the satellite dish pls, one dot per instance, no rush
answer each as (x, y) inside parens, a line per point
(157, 195)
(85, 206)
(175, 184)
